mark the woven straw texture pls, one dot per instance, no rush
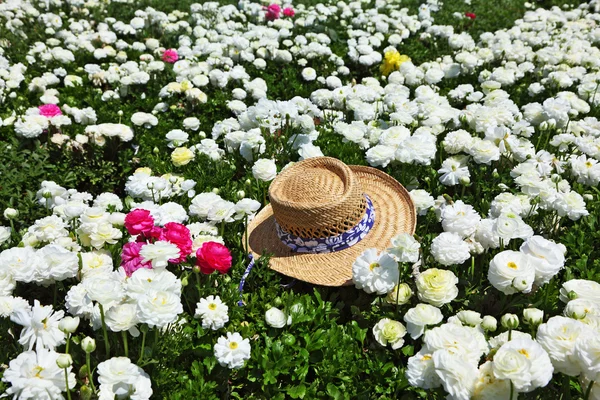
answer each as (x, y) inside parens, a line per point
(394, 214)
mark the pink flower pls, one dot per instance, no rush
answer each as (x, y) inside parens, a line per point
(470, 15)
(170, 56)
(139, 221)
(213, 256)
(273, 12)
(289, 12)
(49, 110)
(179, 235)
(131, 260)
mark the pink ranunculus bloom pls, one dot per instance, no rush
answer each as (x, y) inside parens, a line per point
(289, 12)
(49, 110)
(179, 235)
(139, 221)
(170, 56)
(131, 260)
(273, 12)
(213, 256)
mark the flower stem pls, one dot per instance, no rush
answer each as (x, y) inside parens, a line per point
(67, 383)
(125, 345)
(89, 371)
(512, 388)
(143, 345)
(198, 284)
(68, 341)
(104, 332)
(588, 391)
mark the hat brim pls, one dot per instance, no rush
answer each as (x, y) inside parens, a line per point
(394, 214)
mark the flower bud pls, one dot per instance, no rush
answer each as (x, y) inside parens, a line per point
(510, 321)
(401, 294)
(241, 194)
(68, 324)
(248, 182)
(489, 323)
(64, 361)
(276, 318)
(184, 281)
(520, 283)
(495, 174)
(11, 213)
(588, 197)
(216, 190)
(533, 316)
(120, 113)
(575, 311)
(88, 344)
(464, 180)
(572, 295)
(85, 393)
(156, 150)
(202, 134)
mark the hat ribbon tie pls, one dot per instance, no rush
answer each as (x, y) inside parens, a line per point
(332, 243)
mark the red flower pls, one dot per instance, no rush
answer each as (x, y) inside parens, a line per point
(470, 15)
(213, 256)
(179, 235)
(289, 12)
(273, 12)
(170, 56)
(139, 221)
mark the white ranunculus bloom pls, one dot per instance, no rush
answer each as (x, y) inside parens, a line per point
(144, 119)
(391, 332)
(119, 377)
(448, 248)
(558, 337)
(547, 257)
(587, 353)
(40, 326)
(405, 248)
(232, 350)
(582, 289)
(511, 272)
(488, 387)
(465, 341)
(460, 218)
(375, 273)
(525, 363)
(276, 318)
(106, 289)
(123, 317)
(417, 318)
(159, 308)
(213, 312)
(264, 170)
(159, 253)
(421, 370)
(437, 286)
(458, 375)
(422, 199)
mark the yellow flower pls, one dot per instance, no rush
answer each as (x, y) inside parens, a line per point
(392, 61)
(181, 156)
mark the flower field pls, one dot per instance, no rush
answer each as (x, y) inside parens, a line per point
(141, 141)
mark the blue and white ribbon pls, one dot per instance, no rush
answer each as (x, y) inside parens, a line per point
(319, 245)
(332, 243)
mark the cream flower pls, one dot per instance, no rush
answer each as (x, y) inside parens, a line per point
(525, 363)
(388, 331)
(437, 286)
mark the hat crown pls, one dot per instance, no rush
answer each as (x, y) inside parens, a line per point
(317, 198)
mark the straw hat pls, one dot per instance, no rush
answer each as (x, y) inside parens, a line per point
(322, 197)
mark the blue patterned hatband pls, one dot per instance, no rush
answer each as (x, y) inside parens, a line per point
(332, 243)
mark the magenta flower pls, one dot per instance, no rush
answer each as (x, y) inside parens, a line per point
(49, 110)
(170, 56)
(272, 12)
(131, 260)
(289, 12)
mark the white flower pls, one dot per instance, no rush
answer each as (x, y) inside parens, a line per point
(96, 262)
(145, 119)
(488, 387)
(570, 204)
(146, 280)
(10, 305)
(375, 273)
(458, 375)
(460, 218)
(159, 253)
(587, 353)
(7, 281)
(421, 371)
(511, 226)
(525, 363)
(60, 263)
(469, 317)
(400, 294)
(106, 289)
(40, 326)
(453, 170)
(558, 337)
(221, 210)
(176, 138)
(547, 257)
(422, 199)
(21, 263)
(405, 248)
(448, 248)
(35, 375)
(388, 331)
(264, 170)
(246, 207)
(159, 308)
(119, 377)
(465, 341)
(232, 350)
(213, 312)
(511, 272)
(202, 204)
(583, 289)
(437, 286)
(417, 318)
(309, 74)
(277, 318)
(380, 155)
(4, 234)
(123, 317)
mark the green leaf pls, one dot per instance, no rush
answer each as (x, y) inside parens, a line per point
(297, 392)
